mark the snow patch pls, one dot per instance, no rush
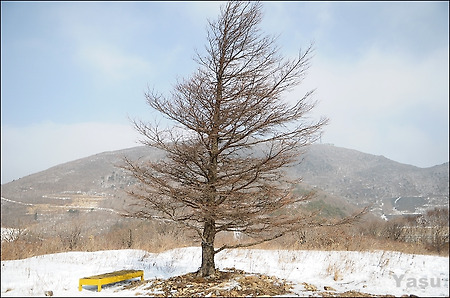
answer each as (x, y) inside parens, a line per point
(374, 272)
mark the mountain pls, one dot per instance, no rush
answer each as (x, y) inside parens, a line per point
(363, 179)
(345, 178)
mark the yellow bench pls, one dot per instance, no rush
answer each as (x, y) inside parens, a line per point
(107, 278)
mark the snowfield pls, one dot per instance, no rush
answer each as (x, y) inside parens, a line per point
(375, 272)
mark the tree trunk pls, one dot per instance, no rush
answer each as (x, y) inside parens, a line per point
(209, 233)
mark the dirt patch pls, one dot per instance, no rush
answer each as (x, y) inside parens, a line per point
(226, 283)
(350, 294)
(231, 282)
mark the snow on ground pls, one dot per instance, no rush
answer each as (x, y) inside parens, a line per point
(376, 272)
(10, 234)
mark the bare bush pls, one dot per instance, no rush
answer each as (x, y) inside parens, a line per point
(437, 220)
(71, 238)
(394, 230)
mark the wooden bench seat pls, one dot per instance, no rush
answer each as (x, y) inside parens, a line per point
(107, 278)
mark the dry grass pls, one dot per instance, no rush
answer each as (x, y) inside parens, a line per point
(349, 238)
(150, 236)
(156, 237)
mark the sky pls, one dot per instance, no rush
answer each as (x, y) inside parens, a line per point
(73, 74)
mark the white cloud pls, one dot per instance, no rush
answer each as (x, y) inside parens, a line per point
(107, 63)
(387, 104)
(104, 45)
(27, 150)
(380, 81)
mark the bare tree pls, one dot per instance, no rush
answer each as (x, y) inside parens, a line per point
(234, 135)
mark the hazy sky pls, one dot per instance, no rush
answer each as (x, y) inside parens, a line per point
(73, 73)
